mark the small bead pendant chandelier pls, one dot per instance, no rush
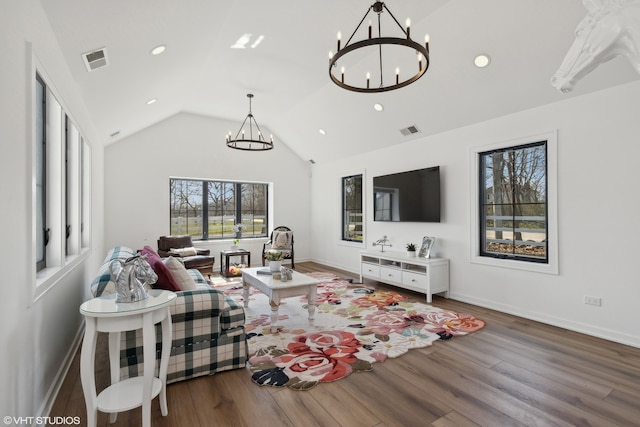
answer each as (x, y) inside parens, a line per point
(367, 84)
(246, 139)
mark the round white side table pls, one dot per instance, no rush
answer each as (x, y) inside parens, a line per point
(103, 314)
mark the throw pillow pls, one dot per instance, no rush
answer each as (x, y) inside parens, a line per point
(102, 284)
(281, 240)
(165, 279)
(180, 274)
(184, 252)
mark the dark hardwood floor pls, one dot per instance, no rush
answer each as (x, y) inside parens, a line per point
(514, 372)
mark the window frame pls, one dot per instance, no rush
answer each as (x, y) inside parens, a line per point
(57, 261)
(236, 209)
(40, 174)
(511, 206)
(550, 266)
(343, 210)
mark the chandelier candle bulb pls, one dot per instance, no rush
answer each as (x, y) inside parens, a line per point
(339, 37)
(397, 75)
(427, 38)
(368, 77)
(408, 22)
(369, 28)
(342, 71)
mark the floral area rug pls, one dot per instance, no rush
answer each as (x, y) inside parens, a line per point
(354, 327)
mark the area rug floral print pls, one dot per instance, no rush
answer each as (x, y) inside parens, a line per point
(354, 327)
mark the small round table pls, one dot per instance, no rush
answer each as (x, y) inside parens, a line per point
(103, 314)
(245, 261)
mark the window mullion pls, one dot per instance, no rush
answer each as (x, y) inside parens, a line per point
(238, 200)
(205, 210)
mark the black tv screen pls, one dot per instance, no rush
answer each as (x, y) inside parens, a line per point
(412, 196)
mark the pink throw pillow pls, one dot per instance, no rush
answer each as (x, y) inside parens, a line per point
(165, 279)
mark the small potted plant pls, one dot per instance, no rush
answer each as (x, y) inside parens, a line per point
(275, 259)
(411, 249)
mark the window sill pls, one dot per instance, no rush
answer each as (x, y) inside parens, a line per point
(47, 278)
(351, 244)
(550, 268)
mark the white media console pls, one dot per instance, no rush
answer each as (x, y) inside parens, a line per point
(426, 275)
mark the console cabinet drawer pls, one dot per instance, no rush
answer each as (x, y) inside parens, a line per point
(370, 270)
(390, 274)
(414, 280)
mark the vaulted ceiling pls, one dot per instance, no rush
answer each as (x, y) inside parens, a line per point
(288, 71)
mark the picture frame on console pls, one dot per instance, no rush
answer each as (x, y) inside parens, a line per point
(425, 248)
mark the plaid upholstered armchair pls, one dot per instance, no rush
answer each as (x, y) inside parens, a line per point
(281, 240)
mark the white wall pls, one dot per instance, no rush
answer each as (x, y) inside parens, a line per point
(37, 336)
(598, 213)
(137, 171)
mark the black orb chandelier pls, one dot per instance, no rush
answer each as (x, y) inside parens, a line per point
(245, 138)
(369, 85)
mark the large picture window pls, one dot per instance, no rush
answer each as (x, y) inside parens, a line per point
(211, 210)
(352, 214)
(513, 203)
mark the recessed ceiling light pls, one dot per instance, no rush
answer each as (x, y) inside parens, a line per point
(482, 60)
(378, 107)
(158, 49)
(152, 101)
(323, 132)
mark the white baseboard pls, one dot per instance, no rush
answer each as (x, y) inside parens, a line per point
(606, 334)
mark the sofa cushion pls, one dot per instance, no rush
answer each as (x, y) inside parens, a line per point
(165, 279)
(182, 278)
(102, 284)
(184, 252)
(198, 278)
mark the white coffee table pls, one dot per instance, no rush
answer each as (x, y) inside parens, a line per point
(103, 314)
(277, 290)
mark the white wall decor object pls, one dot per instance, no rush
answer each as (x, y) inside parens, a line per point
(611, 28)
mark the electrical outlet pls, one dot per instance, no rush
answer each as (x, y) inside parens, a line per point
(593, 300)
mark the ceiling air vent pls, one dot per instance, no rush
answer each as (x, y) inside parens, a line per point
(409, 130)
(95, 59)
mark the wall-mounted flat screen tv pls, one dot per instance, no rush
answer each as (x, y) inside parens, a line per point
(412, 196)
